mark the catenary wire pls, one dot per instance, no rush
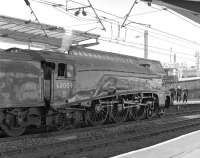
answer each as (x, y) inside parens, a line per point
(177, 37)
(134, 30)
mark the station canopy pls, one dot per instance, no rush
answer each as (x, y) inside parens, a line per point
(187, 8)
(13, 30)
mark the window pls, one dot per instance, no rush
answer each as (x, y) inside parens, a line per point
(65, 70)
(61, 70)
(70, 70)
(147, 66)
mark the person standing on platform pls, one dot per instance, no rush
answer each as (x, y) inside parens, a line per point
(172, 94)
(178, 94)
(185, 95)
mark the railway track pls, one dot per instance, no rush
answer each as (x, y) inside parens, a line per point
(84, 150)
(85, 141)
(89, 131)
(185, 110)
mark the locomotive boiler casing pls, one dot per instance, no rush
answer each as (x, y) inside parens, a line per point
(95, 73)
(99, 74)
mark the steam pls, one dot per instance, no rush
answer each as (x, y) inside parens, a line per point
(67, 40)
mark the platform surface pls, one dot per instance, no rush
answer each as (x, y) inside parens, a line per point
(188, 102)
(186, 146)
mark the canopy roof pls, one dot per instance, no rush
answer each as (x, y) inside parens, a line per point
(188, 8)
(15, 30)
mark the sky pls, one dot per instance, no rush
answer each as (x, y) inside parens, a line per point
(125, 40)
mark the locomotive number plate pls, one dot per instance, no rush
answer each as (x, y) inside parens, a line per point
(63, 85)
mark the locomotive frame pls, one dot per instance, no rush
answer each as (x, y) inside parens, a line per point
(51, 89)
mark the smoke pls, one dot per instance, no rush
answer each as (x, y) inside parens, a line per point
(67, 40)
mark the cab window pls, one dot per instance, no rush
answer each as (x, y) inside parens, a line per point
(61, 69)
(70, 70)
(65, 70)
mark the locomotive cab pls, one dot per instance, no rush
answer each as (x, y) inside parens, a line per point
(63, 81)
(57, 88)
(58, 81)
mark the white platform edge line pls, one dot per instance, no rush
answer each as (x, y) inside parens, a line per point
(156, 145)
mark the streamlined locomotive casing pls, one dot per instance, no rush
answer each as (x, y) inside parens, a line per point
(44, 88)
(99, 73)
(94, 73)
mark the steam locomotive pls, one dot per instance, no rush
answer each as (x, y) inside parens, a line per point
(52, 89)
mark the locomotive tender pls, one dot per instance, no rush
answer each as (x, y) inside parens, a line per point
(44, 88)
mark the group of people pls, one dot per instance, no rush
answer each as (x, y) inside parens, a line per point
(179, 94)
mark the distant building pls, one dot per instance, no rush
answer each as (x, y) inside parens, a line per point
(190, 73)
(181, 70)
(171, 75)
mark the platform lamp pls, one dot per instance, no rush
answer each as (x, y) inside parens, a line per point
(84, 12)
(78, 9)
(76, 13)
